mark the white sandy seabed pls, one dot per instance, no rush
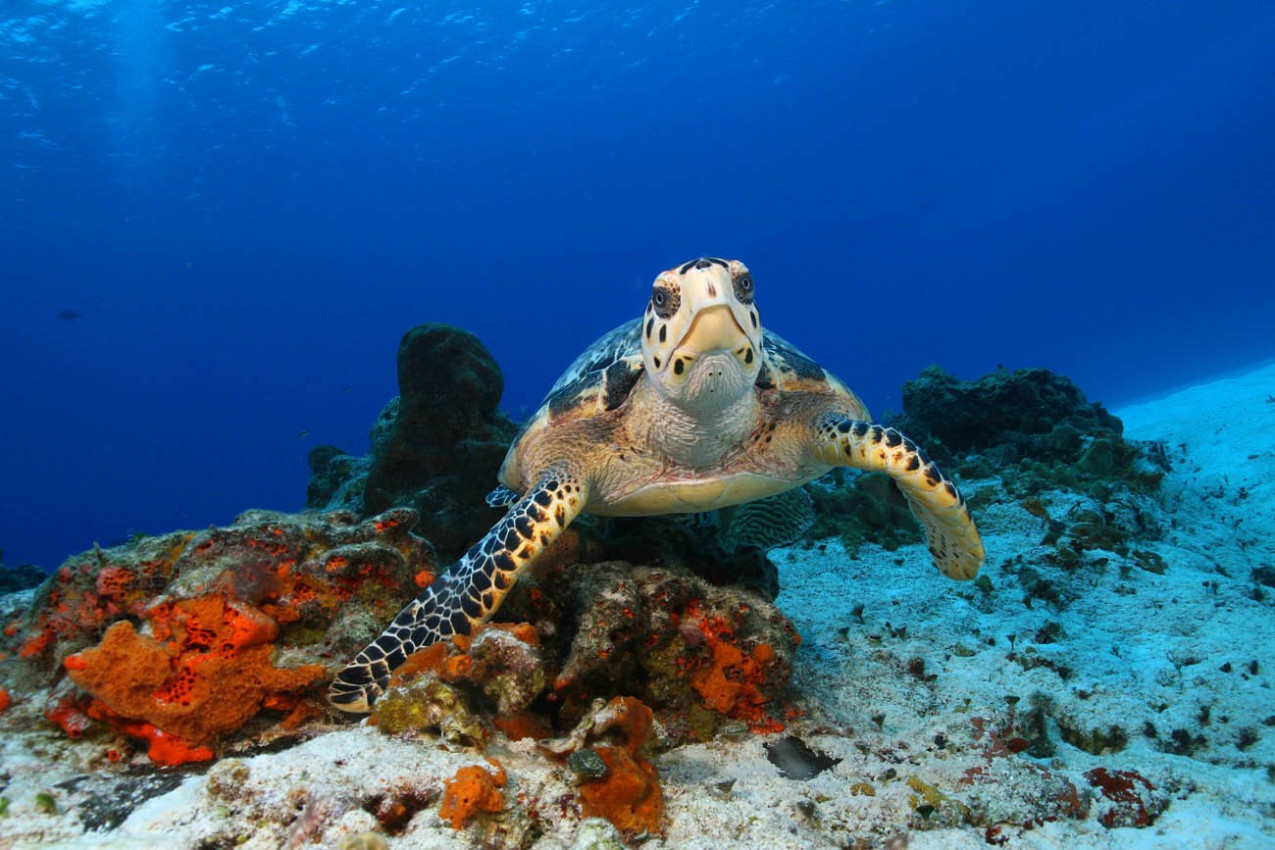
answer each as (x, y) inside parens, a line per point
(927, 691)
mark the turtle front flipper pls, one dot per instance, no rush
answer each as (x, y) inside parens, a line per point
(937, 504)
(468, 593)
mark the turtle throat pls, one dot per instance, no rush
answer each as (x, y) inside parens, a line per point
(714, 382)
(698, 422)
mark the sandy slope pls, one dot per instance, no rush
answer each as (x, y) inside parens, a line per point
(926, 690)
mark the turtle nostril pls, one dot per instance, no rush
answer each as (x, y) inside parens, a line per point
(703, 263)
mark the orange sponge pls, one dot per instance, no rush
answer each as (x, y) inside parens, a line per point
(471, 791)
(205, 673)
(628, 795)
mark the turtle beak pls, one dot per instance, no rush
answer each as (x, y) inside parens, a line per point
(714, 329)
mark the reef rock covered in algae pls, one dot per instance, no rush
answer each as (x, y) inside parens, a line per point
(703, 658)
(180, 640)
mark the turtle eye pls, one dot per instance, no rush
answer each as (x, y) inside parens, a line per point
(665, 301)
(746, 283)
(744, 288)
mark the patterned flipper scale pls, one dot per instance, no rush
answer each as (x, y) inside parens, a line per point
(467, 594)
(937, 504)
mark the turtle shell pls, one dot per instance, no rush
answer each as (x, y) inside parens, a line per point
(602, 377)
(599, 380)
(786, 369)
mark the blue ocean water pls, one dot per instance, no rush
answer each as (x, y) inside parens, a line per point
(218, 218)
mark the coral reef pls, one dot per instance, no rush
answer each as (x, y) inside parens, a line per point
(179, 640)
(620, 699)
(436, 448)
(700, 656)
(605, 650)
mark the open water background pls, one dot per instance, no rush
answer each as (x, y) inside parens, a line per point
(247, 203)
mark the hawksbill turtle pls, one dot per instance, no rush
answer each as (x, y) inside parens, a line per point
(690, 408)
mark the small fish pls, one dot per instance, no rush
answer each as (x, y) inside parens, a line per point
(302, 434)
(69, 315)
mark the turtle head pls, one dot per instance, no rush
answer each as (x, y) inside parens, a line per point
(701, 334)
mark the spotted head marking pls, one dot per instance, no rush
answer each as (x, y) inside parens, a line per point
(701, 332)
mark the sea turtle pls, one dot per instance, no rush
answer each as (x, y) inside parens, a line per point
(690, 408)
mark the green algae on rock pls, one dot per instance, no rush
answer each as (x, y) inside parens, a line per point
(426, 704)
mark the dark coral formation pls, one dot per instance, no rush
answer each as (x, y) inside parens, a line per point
(676, 541)
(436, 448)
(1022, 409)
(330, 469)
(1037, 433)
(1034, 427)
(21, 577)
(180, 640)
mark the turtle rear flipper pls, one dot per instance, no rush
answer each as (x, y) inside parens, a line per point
(501, 497)
(769, 523)
(953, 539)
(468, 593)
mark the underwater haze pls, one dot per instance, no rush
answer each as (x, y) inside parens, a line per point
(219, 218)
